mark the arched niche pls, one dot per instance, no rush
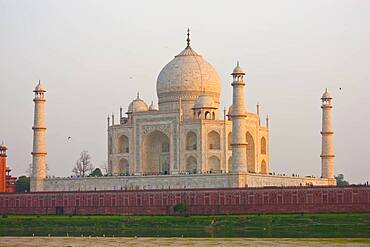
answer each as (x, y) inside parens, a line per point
(251, 157)
(214, 164)
(123, 167)
(213, 140)
(191, 141)
(123, 144)
(191, 164)
(263, 145)
(229, 164)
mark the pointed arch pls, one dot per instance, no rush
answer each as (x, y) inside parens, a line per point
(156, 149)
(213, 140)
(214, 164)
(123, 144)
(229, 164)
(123, 167)
(191, 141)
(191, 164)
(251, 157)
(263, 145)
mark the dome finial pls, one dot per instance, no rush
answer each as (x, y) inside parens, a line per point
(188, 39)
(137, 95)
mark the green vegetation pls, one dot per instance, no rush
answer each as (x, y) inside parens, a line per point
(336, 225)
(22, 184)
(341, 181)
(180, 208)
(96, 173)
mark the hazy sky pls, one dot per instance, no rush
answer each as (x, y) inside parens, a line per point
(86, 51)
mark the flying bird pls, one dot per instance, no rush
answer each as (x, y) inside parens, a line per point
(69, 138)
(340, 88)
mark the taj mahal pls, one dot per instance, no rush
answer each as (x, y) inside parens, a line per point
(184, 141)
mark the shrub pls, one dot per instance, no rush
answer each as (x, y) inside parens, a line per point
(180, 208)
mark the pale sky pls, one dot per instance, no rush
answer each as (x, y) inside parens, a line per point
(85, 52)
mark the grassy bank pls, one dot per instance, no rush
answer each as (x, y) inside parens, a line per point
(336, 225)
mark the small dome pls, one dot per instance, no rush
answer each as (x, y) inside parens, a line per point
(204, 101)
(153, 107)
(3, 147)
(39, 88)
(238, 70)
(326, 95)
(137, 105)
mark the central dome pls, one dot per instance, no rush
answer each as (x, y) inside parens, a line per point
(187, 76)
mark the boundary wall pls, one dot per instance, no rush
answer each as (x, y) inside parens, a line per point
(198, 201)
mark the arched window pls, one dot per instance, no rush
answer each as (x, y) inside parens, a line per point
(207, 115)
(263, 145)
(199, 115)
(214, 164)
(123, 144)
(191, 141)
(229, 141)
(263, 167)
(191, 164)
(250, 152)
(213, 116)
(213, 140)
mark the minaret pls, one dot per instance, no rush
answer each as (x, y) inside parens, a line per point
(39, 149)
(3, 167)
(238, 115)
(327, 147)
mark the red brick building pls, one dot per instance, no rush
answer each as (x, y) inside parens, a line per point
(7, 181)
(197, 201)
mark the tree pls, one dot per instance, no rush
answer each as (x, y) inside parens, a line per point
(340, 180)
(83, 165)
(96, 173)
(22, 184)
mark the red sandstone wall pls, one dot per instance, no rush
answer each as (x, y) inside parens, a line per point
(198, 201)
(2, 173)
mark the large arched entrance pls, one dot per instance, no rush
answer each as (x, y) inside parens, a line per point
(156, 155)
